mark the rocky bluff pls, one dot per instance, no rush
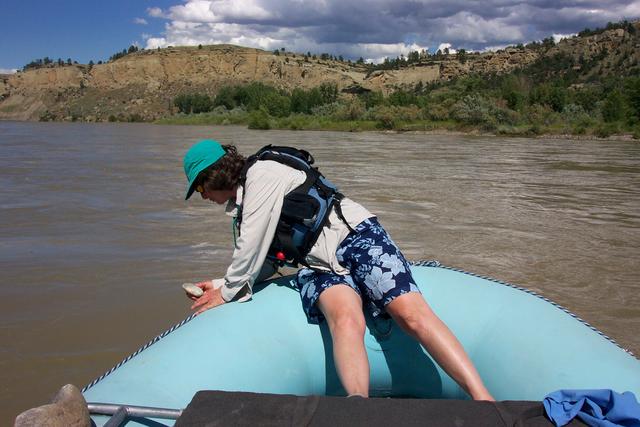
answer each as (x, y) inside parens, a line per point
(142, 85)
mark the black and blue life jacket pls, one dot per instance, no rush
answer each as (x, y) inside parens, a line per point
(305, 210)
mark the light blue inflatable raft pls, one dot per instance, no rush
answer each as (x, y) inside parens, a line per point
(523, 345)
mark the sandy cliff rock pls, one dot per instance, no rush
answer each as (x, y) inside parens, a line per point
(146, 82)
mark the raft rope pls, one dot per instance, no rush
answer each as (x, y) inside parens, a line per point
(420, 263)
(144, 347)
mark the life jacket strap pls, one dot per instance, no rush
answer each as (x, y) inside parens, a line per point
(338, 206)
(284, 238)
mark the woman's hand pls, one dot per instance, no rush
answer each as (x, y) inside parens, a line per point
(211, 298)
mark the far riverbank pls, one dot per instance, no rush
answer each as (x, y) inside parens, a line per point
(420, 127)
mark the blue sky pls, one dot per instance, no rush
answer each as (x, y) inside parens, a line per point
(80, 30)
(373, 29)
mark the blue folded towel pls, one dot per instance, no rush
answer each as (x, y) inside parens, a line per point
(600, 408)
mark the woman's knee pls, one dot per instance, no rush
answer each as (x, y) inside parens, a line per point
(342, 307)
(412, 323)
(347, 322)
(412, 314)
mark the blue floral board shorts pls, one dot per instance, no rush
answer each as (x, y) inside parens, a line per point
(379, 273)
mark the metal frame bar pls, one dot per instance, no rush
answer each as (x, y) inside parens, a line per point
(120, 413)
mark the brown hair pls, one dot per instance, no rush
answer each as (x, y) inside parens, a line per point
(225, 173)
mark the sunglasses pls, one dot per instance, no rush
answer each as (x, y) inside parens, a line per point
(200, 189)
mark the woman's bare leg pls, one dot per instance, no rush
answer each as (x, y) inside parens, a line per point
(415, 317)
(342, 307)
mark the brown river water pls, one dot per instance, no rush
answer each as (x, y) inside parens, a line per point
(96, 238)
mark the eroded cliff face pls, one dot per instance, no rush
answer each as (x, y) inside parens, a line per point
(142, 85)
(146, 82)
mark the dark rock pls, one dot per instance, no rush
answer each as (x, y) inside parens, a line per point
(355, 89)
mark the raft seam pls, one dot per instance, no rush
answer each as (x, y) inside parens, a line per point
(138, 351)
(437, 264)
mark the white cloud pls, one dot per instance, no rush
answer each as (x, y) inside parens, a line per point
(375, 29)
(156, 42)
(466, 27)
(8, 71)
(156, 12)
(377, 52)
(181, 33)
(193, 11)
(234, 10)
(444, 46)
(493, 48)
(631, 9)
(140, 21)
(558, 37)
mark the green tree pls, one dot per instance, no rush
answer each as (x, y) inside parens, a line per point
(558, 98)
(193, 103)
(299, 101)
(512, 92)
(371, 99)
(473, 109)
(315, 98)
(632, 90)
(545, 94)
(278, 105)
(226, 97)
(548, 43)
(462, 56)
(587, 98)
(402, 99)
(201, 104)
(257, 95)
(515, 99)
(183, 103)
(613, 108)
(328, 92)
(259, 119)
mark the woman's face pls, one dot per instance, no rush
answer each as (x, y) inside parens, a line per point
(218, 196)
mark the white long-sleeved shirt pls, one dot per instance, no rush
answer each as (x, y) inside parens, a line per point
(261, 199)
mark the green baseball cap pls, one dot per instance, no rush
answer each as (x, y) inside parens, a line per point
(200, 156)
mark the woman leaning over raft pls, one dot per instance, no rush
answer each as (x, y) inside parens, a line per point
(352, 263)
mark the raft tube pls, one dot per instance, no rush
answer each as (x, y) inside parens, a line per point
(523, 345)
